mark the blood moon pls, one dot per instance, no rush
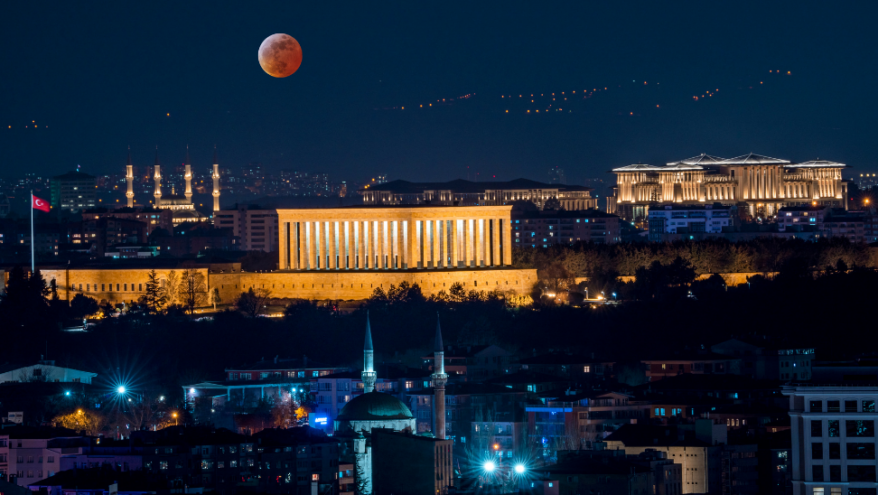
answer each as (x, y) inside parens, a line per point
(280, 55)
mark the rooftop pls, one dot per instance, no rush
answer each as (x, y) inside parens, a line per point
(469, 388)
(284, 364)
(100, 478)
(525, 377)
(465, 186)
(710, 382)
(686, 356)
(562, 214)
(677, 206)
(563, 358)
(702, 159)
(374, 406)
(73, 175)
(753, 159)
(642, 435)
(603, 465)
(816, 164)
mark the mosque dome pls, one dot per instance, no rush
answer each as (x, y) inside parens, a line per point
(374, 406)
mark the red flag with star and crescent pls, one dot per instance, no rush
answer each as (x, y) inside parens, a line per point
(39, 204)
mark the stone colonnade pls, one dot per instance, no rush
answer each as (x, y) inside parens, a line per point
(394, 238)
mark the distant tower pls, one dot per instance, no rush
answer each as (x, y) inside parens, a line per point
(369, 375)
(157, 175)
(188, 176)
(129, 176)
(216, 182)
(439, 381)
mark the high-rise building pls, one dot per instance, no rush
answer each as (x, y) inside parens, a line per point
(833, 437)
(73, 192)
(257, 228)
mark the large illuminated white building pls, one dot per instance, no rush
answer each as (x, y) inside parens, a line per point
(760, 183)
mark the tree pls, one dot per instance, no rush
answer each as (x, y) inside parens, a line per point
(149, 413)
(192, 289)
(253, 302)
(457, 293)
(552, 204)
(91, 422)
(283, 412)
(156, 296)
(82, 306)
(173, 285)
(215, 297)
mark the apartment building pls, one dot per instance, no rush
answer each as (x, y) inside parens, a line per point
(690, 219)
(833, 438)
(257, 228)
(547, 228)
(35, 453)
(576, 419)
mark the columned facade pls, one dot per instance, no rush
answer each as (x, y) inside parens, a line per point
(763, 183)
(395, 238)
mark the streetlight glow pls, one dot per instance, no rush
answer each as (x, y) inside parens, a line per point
(519, 468)
(490, 466)
(121, 390)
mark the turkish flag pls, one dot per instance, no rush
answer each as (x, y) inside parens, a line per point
(39, 204)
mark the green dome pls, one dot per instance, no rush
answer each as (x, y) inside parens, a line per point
(374, 406)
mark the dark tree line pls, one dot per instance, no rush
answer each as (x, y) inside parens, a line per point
(706, 256)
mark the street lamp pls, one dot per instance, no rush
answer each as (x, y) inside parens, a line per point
(489, 466)
(121, 389)
(174, 415)
(519, 469)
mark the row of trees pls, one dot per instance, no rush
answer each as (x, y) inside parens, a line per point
(188, 290)
(706, 256)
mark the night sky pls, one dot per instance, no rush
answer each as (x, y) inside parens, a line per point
(103, 76)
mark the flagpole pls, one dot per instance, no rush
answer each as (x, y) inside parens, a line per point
(32, 263)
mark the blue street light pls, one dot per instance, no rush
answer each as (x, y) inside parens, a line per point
(489, 466)
(519, 469)
(67, 393)
(121, 389)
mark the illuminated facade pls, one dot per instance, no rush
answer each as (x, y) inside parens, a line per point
(466, 193)
(395, 238)
(182, 207)
(348, 253)
(762, 183)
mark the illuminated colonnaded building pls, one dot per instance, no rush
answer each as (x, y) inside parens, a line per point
(762, 183)
(393, 238)
(345, 254)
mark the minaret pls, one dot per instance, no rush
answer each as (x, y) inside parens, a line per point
(369, 375)
(129, 176)
(216, 182)
(157, 175)
(439, 381)
(188, 176)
